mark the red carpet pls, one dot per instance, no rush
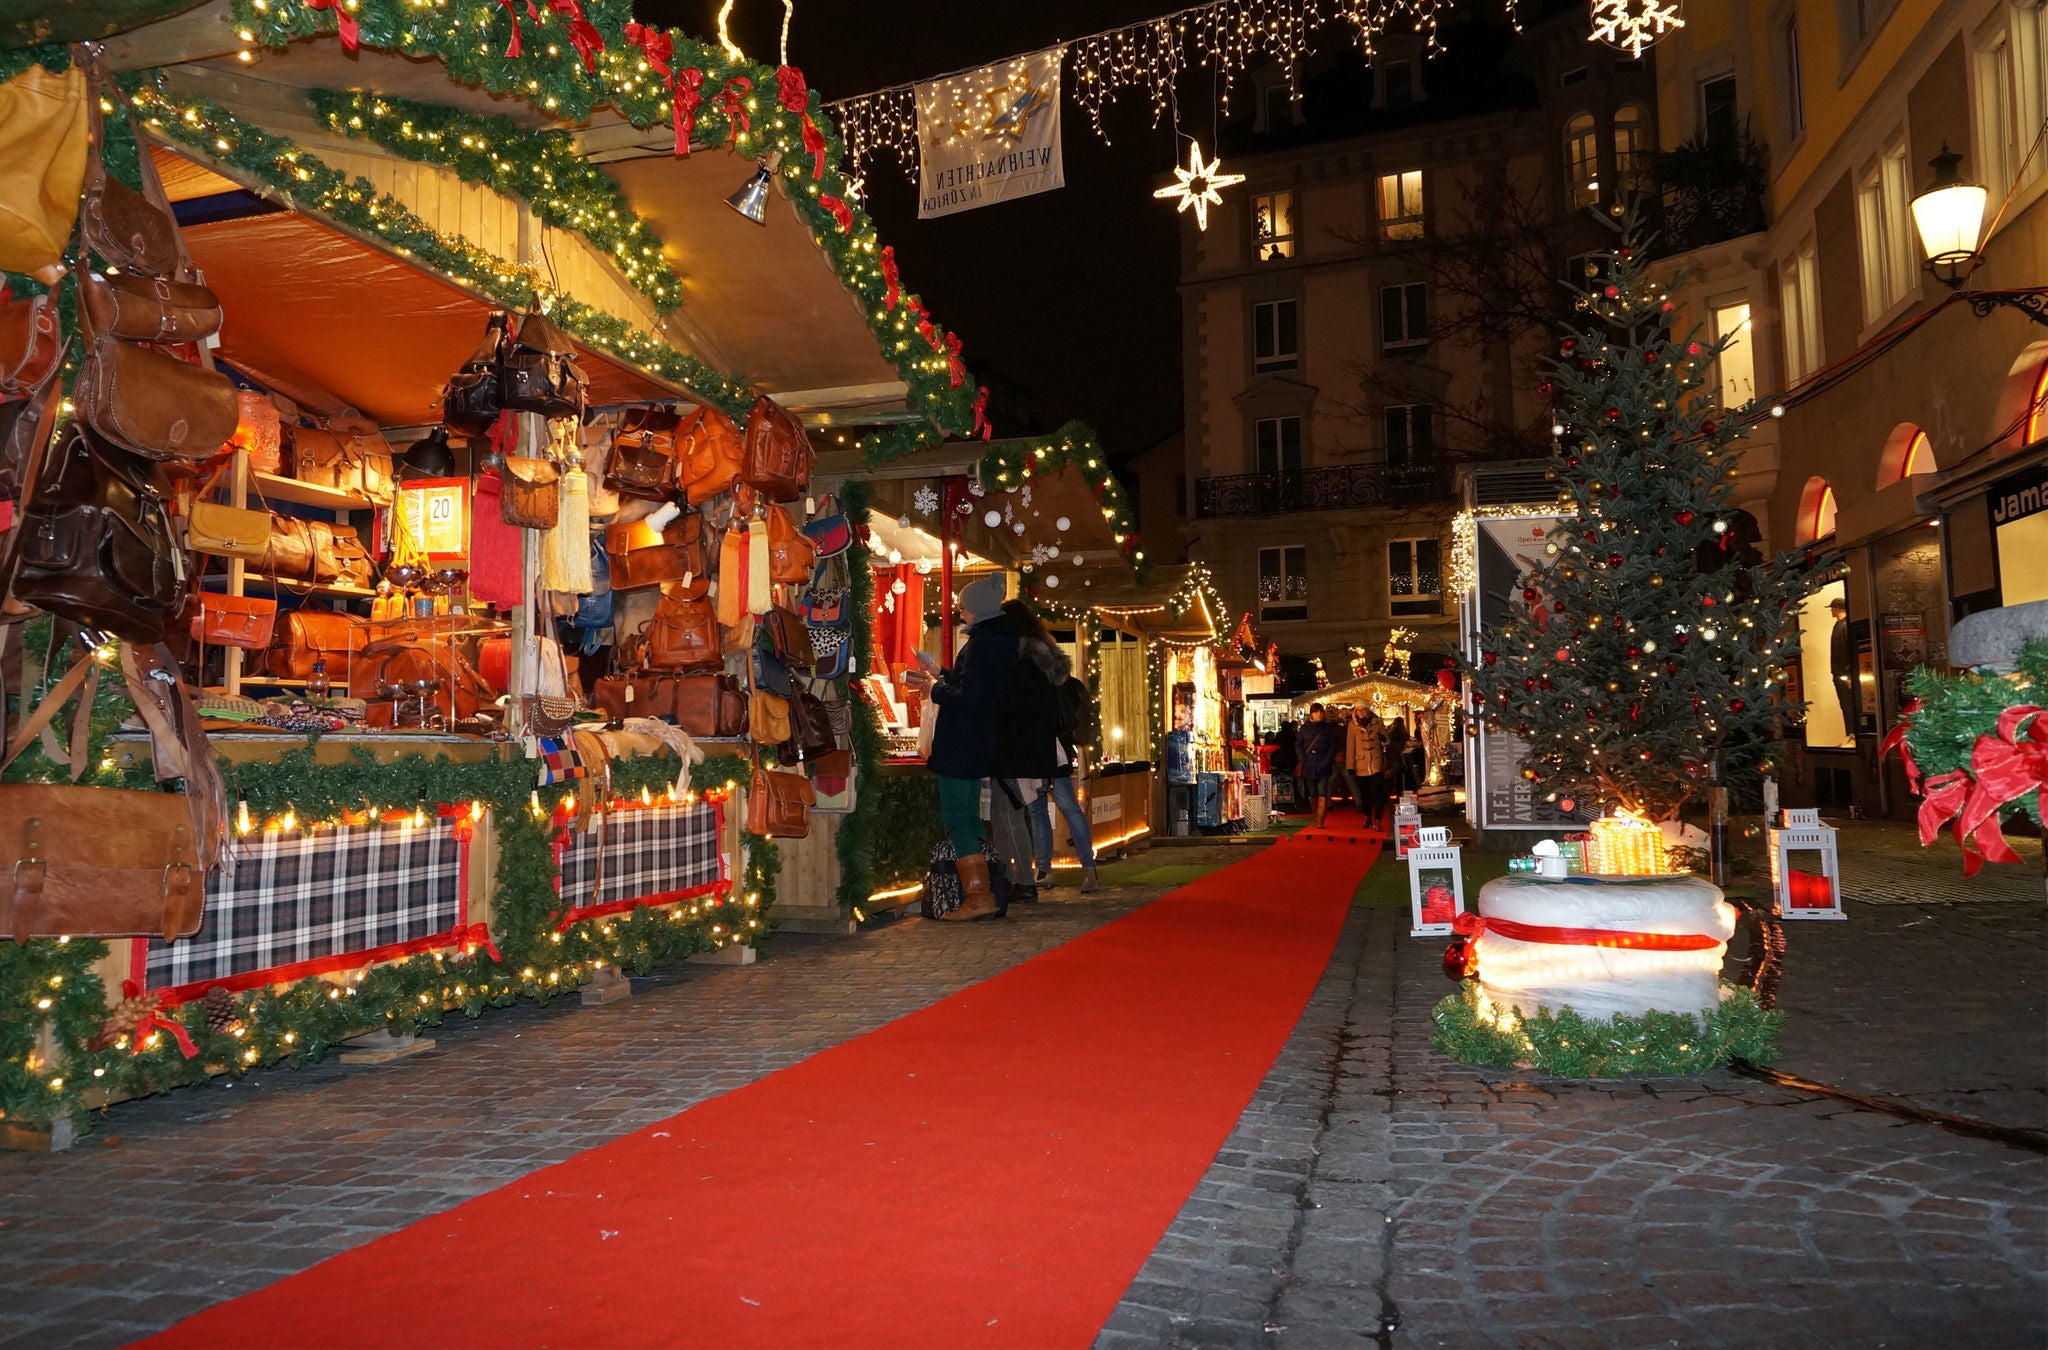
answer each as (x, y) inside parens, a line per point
(990, 1171)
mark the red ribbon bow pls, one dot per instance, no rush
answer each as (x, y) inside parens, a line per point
(479, 935)
(929, 333)
(170, 1026)
(512, 49)
(794, 96)
(841, 212)
(583, 34)
(953, 359)
(2003, 768)
(684, 102)
(734, 99)
(345, 22)
(895, 282)
(982, 426)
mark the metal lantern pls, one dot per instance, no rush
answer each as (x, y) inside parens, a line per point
(1407, 822)
(1436, 882)
(1806, 872)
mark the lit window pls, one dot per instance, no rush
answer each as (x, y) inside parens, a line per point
(1884, 231)
(1276, 343)
(1919, 456)
(1404, 316)
(1283, 583)
(1273, 225)
(2011, 90)
(1799, 301)
(1582, 159)
(2037, 413)
(1738, 359)
(1414, 577)
(1631, 145)
(1401, 205)
(1822, 523)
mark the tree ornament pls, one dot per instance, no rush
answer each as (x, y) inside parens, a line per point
(1707, 427)
(1461, 961)
(1684, 517)
(1614, 560)
(1736, 705)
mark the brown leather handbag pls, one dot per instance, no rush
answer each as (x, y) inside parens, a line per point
(339, 455)
(353, 565)
(311, 635)
(125, 227)
(792, 557)
(640, 470)
(650, 428)
(152, 404)
(408, 660)
(31, 345)
(245, 621)
(683, 635)
(709, 705)
(811, 736)
(710, 455)
(790, 638)
(779, 804)
(532, 496)
(641, 557)
(301, 550)
(148, 309)
(538, 371)
(778, 452)
(96, 543)
(768, 720)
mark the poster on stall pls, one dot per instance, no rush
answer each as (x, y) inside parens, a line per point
(437, 515)
(1508, 549)
(989, 135)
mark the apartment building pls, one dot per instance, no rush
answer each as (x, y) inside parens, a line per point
(1373, 311)
(1913, 438)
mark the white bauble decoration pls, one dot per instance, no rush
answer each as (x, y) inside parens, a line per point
(1051, 580)
(1052, 550)
(895, 556)
(924, 567)
(1018, 527)
(992, 519)
(897, 587)
(1063, 524)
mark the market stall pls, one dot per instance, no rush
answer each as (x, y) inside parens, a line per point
(464, 488)
(1430, 711)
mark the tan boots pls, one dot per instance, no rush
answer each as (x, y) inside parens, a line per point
(977, 899)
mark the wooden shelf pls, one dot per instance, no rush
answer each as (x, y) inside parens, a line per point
(269, 683)
(252, 581)
(274, 488)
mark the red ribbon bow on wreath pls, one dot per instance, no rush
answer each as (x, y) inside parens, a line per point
(733, 99)
(345, 22)
(479, 935)
(512, 48)
(659, 49)
(841, 212)
(953, 360)
(889, 276)
(982, 426)
(2003, 768)
(793, 95)
(583, 34)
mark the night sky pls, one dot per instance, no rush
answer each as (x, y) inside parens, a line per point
(1069, 294)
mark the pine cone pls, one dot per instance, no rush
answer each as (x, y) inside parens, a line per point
(123, 1019)
(221, 1011)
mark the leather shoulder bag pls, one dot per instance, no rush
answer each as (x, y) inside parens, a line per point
(471, 402)
(31, 344)
(148, 309)
(49, 138)
(790, 639)
(674, 557)
(97, 545)
(710, 454)
(792, 555)
(538, 371)
(779, 804)
(310, 635)
(778, 452)
(532, 496)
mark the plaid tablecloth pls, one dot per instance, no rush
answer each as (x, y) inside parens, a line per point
(303, 897)
(647, 851)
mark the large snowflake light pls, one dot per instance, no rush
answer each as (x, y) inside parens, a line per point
(1633, 25)
(1199, 185)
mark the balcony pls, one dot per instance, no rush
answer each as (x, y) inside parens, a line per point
(1344, 488)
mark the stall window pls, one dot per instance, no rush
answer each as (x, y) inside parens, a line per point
(1410, 436)
(1737, 361)
(1883, 230)
(1400, 197)
(1273, 225)
(1276, 341)
(1283, 583)
(1631, 145)
(1414, 577)
(1279, 441)
(1582, 159)
(1404, 316)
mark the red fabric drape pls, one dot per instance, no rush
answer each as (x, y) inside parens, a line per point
(900, 632)
(493, 547)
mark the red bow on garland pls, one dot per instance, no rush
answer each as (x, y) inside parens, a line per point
(982, 426)
(793, 95)
(953, 359)
(841, 212)
(583, 34)
(512, 49)
(2003, 768)
(659, 48)
(895, 282)
(345, 24)
(170, 1026)
(479, 935)
(734, 99)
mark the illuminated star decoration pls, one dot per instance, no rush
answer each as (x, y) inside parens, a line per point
(1633, 25)
(1200, 186)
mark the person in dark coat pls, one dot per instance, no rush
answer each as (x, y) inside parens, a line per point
(1027, 744)
(964, 742)
(1318, 745)
(1287, 763)
(1397, 754)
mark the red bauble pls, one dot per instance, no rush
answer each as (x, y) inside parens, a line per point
(1563, 655)
(1490, 658)
(1572, 462)
(1529, 683)
(1557, 606)
(1544, 389)
(1683, 517)
(1568, 344)
(1614, 414)
(1681, 638)
(1614, 560)
(1634, 652)
(1708, 600)
(1613, 291)
(1707, 427)
(1650, 357)
(1529, 595)
(1736, 705)
(1461, 963)
(1545, 682)
(1671, 667)
(1692, 349)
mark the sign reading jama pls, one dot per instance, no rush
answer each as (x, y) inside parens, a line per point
(989, 135)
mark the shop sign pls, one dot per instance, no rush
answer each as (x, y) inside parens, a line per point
(437, 515)
(2019, 496)
(1507, 550)
(989, 135)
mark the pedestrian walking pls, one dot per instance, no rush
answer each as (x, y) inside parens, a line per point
(1027, 744)
(1060, 789)
(1319, 747)
(964, 742)
(1396, 756)
(1365, 764)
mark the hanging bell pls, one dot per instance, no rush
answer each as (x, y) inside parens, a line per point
(751, 200)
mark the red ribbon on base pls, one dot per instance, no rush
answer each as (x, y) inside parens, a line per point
(1474, 924)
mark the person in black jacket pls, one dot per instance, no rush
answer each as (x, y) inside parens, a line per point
(1027, 744)
(964, 741)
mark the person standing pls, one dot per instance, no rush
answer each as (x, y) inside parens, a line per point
(1059, 789)
(1319, 748)
(1396, 755)
(964, 741)
(1842, 670)
(1365, 764)
(1027, 743)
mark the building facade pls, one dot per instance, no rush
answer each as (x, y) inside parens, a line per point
(1912, 438)
(1372, 310)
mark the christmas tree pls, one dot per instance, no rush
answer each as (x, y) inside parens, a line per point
(1649, 643)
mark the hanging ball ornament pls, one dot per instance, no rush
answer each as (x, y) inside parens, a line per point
(1051, 580)
(1063, 524)
(1461, 962)
(992, 519)
(1018, 526)
(903, 521)
(897, 587)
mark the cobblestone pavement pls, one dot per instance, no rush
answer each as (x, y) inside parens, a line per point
(1372, 1182)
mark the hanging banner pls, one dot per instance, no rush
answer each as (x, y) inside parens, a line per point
(989, 135)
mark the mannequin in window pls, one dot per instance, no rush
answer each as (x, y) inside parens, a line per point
(1842, 669)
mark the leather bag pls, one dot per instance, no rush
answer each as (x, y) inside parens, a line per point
(301, 550)
(790, 639)
(641, 557)
(538, 371)
(471, 401)
(778, 452)
(406, 660)
(353, 565)
(227, 531)
(810, 724)
(710, 706)
(245, 621)
(311, 635)
(683, 635)
(153, 404)
(640, 471)
(791, 554)
(768, 718)
(333, 457)
(148, 309)
(532, 496)
(779, 804)
(650, 428)
(123, 226)
(710, 455)
(97, 545)
(31, 344)
(44, 151)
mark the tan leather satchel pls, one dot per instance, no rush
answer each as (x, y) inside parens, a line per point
(779, 804)
(309, 635)
(674, 557)
(532, 496)
(152, 404)
(301, 550)
(709, 455)
(683, 635)
(778, 452)
(792, 556)
(768, 718)
(339, 456)
(149, 309)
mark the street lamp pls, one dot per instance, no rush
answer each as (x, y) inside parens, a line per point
(1950, 219)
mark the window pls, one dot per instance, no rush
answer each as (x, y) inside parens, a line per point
(1823, 521)
(1576, 75)
(1631, 145)
(1279, 107)
(1279, 442)
(2037, 411)
(1790, 81)
(1275, 340)
(1404, 316)
(1283, 583)
(1737, 360)
(1411, 437)
(1884, 232)
(1582, 160)
(2012, 92)
(1273, 225)
(1401, 205)
(1799, 301)
(1397, 85)
(1414, 577)
(1717, 109)
(1919, 456)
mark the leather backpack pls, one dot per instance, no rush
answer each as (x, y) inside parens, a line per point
(710, 455)
(471, 402)
(538, 372)
(778, 452)
(97, 545)
(683, 635)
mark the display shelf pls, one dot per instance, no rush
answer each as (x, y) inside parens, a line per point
(273, 487)
(255, 582)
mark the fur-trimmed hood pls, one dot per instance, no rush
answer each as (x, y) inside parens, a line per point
(1051, 659)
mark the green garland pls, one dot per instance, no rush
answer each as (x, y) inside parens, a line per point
(1570, 1046)
(45, 1074)
(1014, 463)
(856, 831)
(563, 188)
(1954, 711)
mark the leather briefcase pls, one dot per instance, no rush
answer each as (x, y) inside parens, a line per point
(148, 309)
(779, 804)
(311, 635)
(683, 635)
(778, 452)
(640, 557)
(31, 344)
(97, 545)
(532, 496)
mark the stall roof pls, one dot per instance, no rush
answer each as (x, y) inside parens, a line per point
(1370, 689)
(1143, 608)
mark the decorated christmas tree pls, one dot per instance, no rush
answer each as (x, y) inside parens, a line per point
(1647, 646)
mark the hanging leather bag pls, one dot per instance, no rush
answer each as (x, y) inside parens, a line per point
(97, 546)
(471, 402)
(125, 227)
(710, 706)
(642, 557)
(532, 495)
(791, 554)
(710, 455)
(683, 635)
(768, 720)
(31, 345)
(225, 531)
(779, 804)
(789, 638)
(538, 371)
(148, 309)
(651, 428)
(810, 729)
(310, 635)
(778, 452)
(45, 140)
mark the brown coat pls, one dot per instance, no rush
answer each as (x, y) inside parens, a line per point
(1365, 746)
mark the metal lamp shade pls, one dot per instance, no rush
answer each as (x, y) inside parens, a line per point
(430, 457)
(751, 200)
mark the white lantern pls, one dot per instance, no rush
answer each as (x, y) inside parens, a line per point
(1950, 219)
(1407, 824)
(1806, 871)
(1436, 883)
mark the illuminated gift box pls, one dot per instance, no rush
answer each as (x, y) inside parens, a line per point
(1806, 873)
(1625, 845)
(1436, 883)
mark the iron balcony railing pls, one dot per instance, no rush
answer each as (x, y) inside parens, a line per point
(1343, 488)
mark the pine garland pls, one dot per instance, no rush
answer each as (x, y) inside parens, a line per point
(1955, 711)
(1570, 1046)
(857, 830)
(1015, 463)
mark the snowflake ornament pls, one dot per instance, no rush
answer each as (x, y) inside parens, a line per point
(974, 486)
(925, 499)
(1198, 186)
(1027, 494)
(1633, 25)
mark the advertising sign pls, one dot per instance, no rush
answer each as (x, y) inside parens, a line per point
(1508, 549)
(989, 135)
(437, 515)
